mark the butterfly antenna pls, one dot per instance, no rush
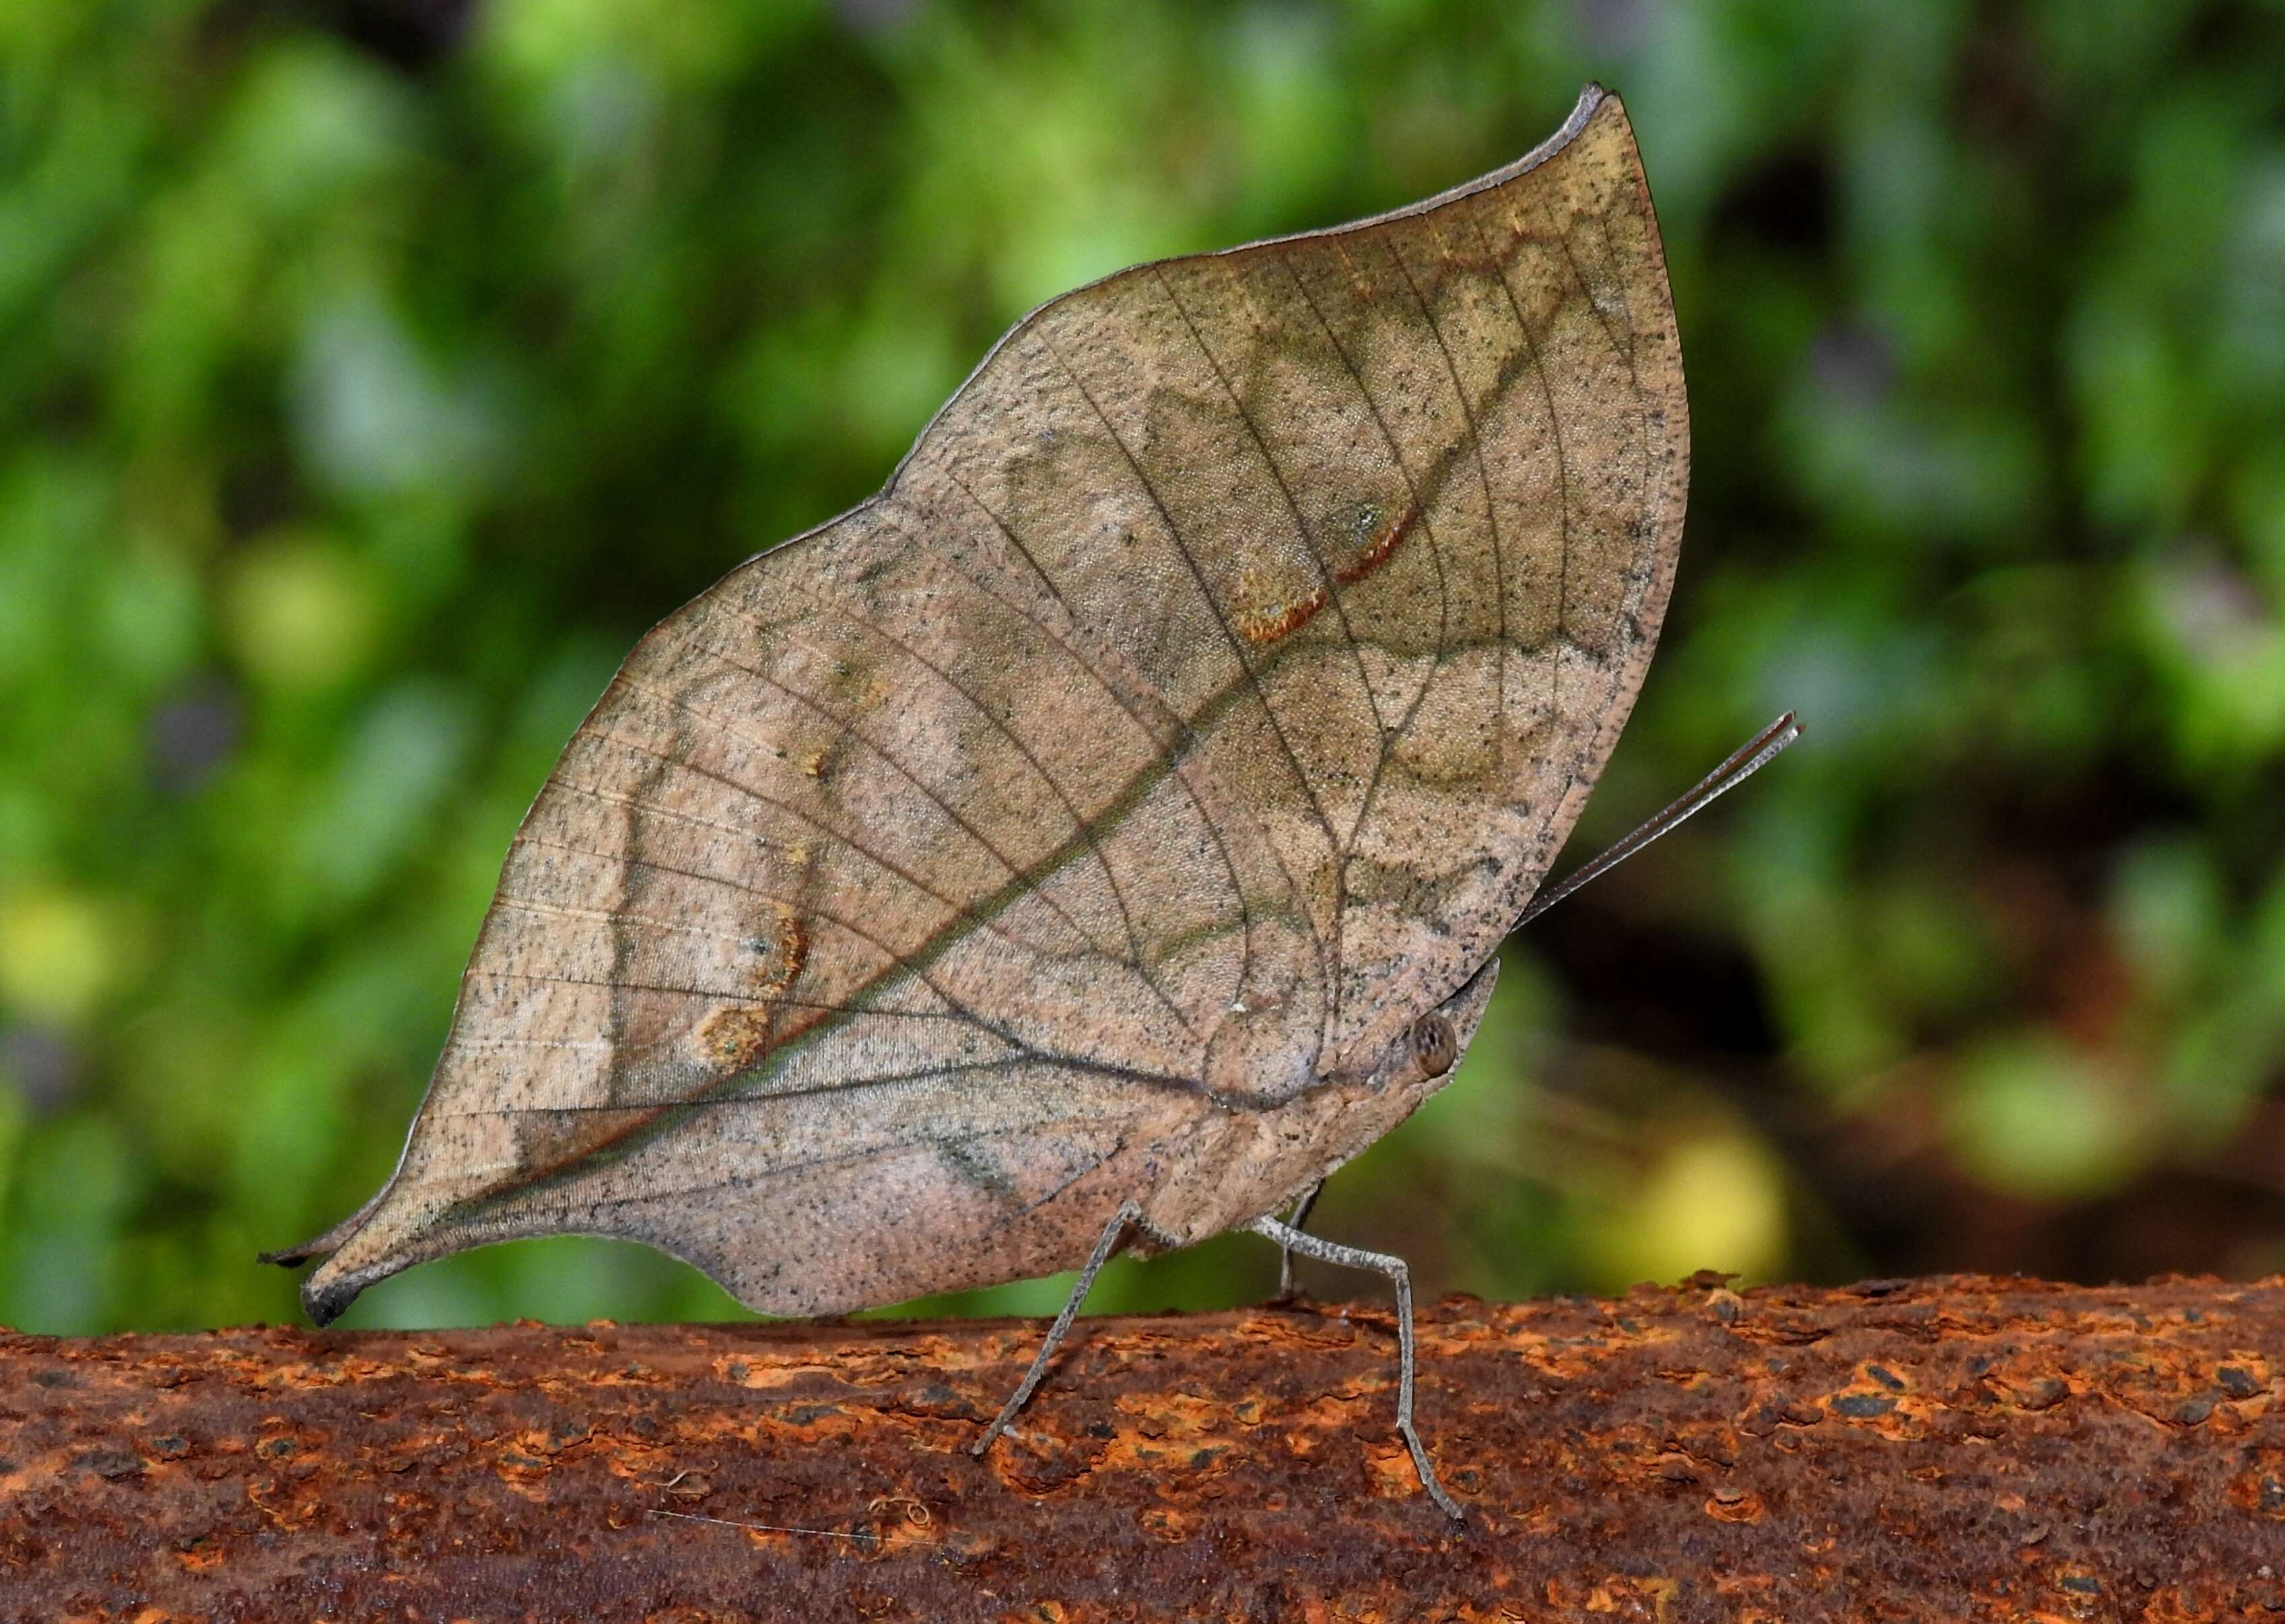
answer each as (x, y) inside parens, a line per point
(1749, 759)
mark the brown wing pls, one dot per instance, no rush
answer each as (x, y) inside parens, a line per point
(1197, 705)
(1395, 506)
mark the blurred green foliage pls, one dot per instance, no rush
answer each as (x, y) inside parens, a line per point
(372, 373)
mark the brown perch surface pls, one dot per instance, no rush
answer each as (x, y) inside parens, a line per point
(1955, 1449)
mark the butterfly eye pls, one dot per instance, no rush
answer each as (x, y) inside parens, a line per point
(1435, 1045)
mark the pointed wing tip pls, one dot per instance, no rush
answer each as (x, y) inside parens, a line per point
(1592, 95)
(323, 1300)
(327, 1302)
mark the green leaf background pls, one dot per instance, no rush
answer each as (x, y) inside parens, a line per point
(372, 373)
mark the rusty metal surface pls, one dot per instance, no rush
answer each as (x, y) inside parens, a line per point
(1951, 1448)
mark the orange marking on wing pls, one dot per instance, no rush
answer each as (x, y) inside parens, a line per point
(793, 953)
(1378, 551)
(734, 1038)
(1270, 622)
(735, 1035)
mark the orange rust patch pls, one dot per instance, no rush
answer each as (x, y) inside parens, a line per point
(515, 1445)
(1271, 622)
(1376, 552)
(911, 1512)
(1166, 1523)
(1729, 1505)
(741, 1372)
(2260, 1487)
(1391, 1472)
(1181, 1416)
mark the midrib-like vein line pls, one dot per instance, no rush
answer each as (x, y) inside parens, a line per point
(1033, 877)
(1006, 731)
(1249, 682)
(915, 962)
(1326, 582)
(1172, 753)
(1237, 652)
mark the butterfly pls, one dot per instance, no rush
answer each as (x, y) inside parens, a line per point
(1108, 829)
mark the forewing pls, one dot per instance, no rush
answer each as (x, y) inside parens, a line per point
(1386, 514)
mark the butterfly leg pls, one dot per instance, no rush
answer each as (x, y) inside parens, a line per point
(1105, 1244)
(1351, 1256)
(1299, 1215)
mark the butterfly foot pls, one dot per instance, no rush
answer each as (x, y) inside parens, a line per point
(1107, 1243)
(1428, 1479)
(1351, 1256)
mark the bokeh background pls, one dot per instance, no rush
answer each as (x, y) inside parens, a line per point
(372, 373)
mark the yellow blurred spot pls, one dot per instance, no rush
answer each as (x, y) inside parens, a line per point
(1714, 1200)
(58, 954)
(299, 610)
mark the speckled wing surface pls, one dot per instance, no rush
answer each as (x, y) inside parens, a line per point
(1089, 816)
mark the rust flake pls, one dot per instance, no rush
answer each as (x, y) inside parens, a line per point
(1735, 1505)
(2260, 1487)
(1150, 1443)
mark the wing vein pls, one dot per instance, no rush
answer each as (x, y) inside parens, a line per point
(807, 701)
(830, 833)
(1331, 586)
(1404, 724)
(1174, 754)
(900, 963)
(1237, 652)
(1081, 824)
(1562, 487)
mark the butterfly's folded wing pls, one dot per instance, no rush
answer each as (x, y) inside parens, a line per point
(1391, 510)
(1196, 707)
